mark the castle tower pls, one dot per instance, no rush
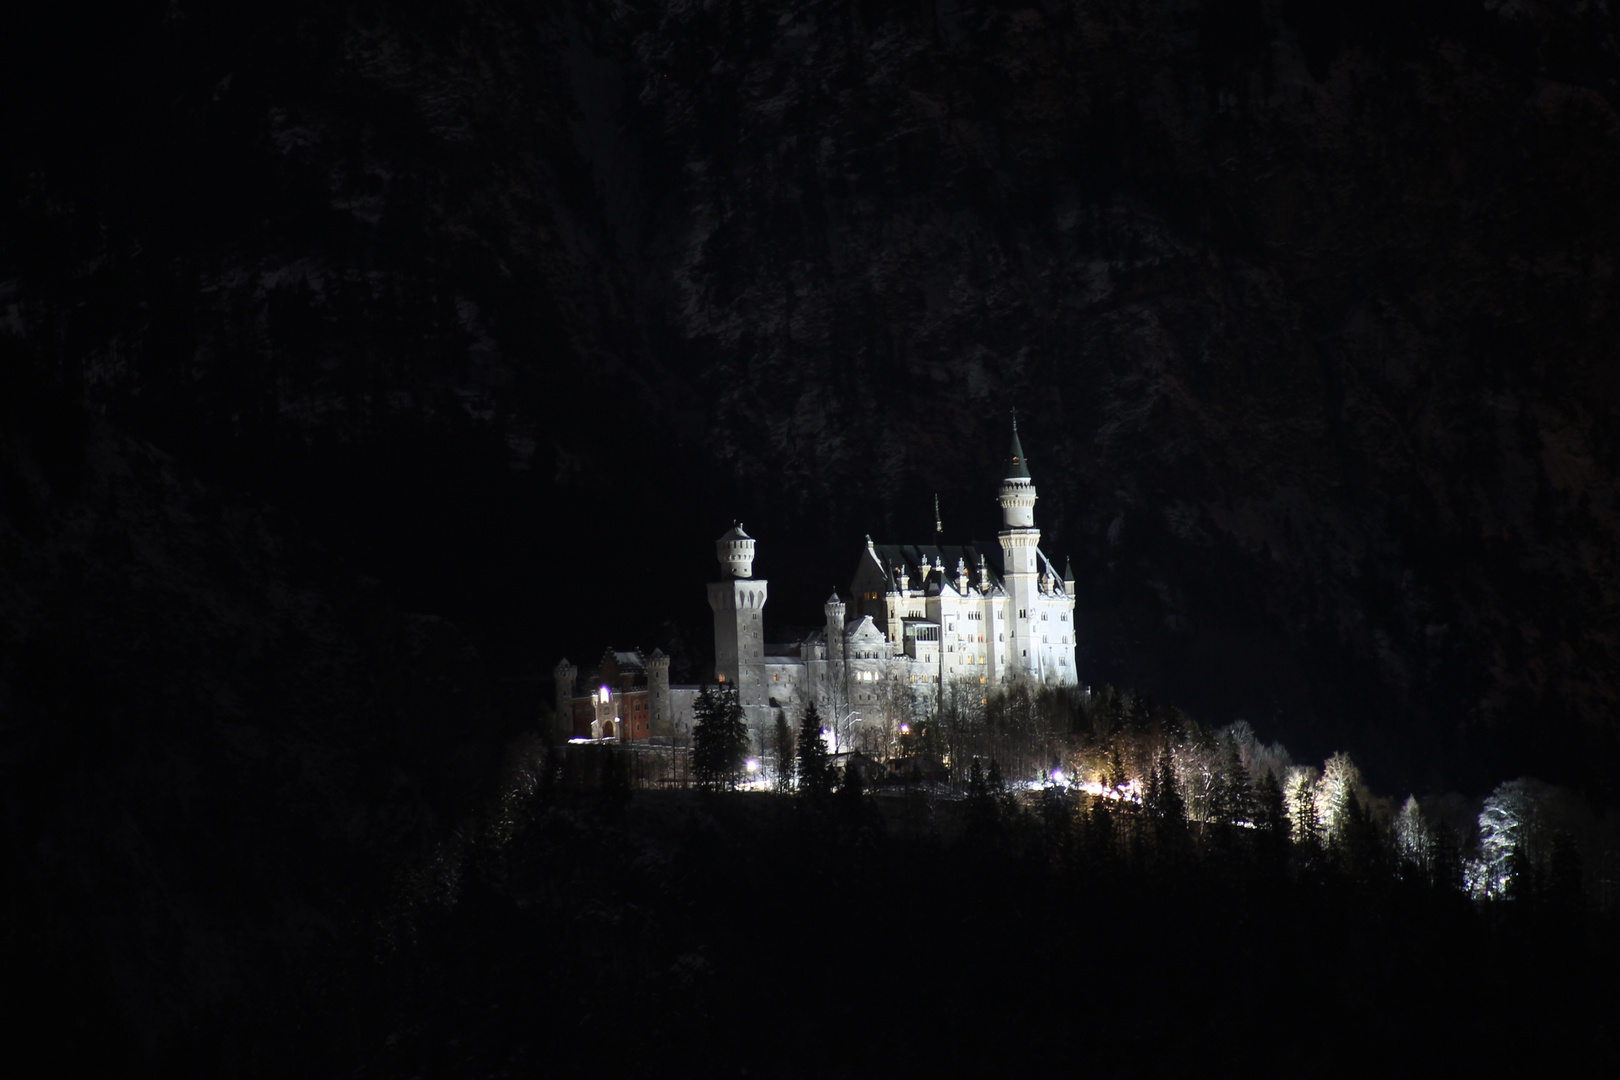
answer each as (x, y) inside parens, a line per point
(662, 716)
(563, 725)
(837, 667)
(1019, 550)
(738, 601)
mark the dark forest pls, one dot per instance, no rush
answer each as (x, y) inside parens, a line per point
(359, 361)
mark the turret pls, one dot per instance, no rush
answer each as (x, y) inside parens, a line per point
(834, 610)
(1017, 488)
(735, 550)
(662, 715)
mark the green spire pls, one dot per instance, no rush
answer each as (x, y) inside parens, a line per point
(1017, 464)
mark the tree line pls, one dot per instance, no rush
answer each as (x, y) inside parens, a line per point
(1152, 769)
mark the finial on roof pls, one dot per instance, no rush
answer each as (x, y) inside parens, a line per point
(939, 527)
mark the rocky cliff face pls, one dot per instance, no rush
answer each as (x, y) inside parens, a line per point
(1306, 306)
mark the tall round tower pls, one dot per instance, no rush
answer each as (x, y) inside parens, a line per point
(1020, 552)
(834, 693)
(738, 602)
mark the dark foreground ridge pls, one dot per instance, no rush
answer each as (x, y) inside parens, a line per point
(860, 934)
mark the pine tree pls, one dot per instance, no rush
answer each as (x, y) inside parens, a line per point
(1164, 800)
(815, 771)
(1236, 802)
(719, 738)
(1307, 826)
(1270, 816)
(784, 752)
(1117, 779)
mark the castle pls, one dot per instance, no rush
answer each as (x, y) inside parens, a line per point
(921, 621)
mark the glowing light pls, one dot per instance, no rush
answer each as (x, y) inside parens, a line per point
(752, 763)
(1057, 776)
(905, 729)
(604, 694)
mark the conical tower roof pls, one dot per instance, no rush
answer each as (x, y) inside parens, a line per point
(1017, 464)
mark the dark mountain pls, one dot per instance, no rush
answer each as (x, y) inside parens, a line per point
(500, 312)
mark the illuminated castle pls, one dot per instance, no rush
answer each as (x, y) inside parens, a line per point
(922, 620)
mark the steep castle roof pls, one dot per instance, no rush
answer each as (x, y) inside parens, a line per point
(1017, 464)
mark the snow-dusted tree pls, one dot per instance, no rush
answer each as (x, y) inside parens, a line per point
(1414, 841)
(1299, 791)
(1199, 767)
(1508, 839)
(960, 724)
(897, 709)
(1336, 794)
